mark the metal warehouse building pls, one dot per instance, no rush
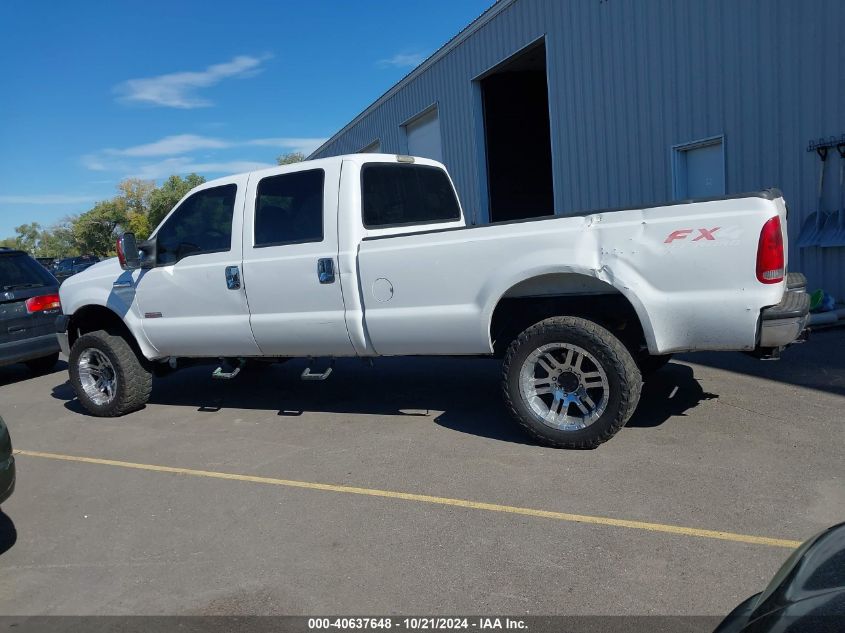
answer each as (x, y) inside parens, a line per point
(557, 106)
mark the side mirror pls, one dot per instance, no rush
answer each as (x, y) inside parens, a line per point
(127, 252)
(148, 252)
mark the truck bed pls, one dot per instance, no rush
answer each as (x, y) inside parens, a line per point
(687, 268)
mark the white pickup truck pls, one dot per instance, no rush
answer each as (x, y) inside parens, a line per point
(369, 255)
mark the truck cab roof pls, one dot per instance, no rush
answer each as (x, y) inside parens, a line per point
(358, 159)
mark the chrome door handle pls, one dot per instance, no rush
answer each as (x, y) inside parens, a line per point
(325, 270)
(233, 277)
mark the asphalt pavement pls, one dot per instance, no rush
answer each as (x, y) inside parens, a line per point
(404, 488)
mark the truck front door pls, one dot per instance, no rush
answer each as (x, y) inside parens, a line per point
(290, 263)
(193, 301)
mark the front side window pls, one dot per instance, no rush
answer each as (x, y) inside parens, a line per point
(201, 224)
(289, 208)
(395, 194)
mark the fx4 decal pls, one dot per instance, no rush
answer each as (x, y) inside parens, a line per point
(681, 234)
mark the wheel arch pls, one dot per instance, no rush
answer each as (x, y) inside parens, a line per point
(572, 293)
(92, 317)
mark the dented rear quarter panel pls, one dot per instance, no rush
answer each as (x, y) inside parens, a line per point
(691, 293)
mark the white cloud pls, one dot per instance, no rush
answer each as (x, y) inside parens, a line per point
(186, 153)
(179, 144)
(179, 90)
(171, 146)
(173, 151)
(227, 167)
(96, 162)
(304, 145)
(46, 198)
(403, 60)
(185, 165)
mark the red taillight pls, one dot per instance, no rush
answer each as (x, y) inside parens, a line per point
(42, 303)
(770, 264)
(120, 256)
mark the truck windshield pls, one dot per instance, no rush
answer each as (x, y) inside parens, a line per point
(397, 194)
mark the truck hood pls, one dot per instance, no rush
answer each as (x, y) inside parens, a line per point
(103, 273)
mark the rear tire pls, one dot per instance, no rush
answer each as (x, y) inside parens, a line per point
(43, 365)
(588, 386)
(110, 377)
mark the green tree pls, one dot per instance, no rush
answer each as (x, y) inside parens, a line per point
(95, 231)
(28, 237)
(57, 241)
(164, 198)
(290, 158)
(139, 224)
(137, 194)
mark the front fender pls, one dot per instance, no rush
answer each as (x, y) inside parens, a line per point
(108, 286)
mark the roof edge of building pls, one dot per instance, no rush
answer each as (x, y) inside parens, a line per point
(497, 7)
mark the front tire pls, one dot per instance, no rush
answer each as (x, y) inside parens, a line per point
(109, 376)
(570, 383)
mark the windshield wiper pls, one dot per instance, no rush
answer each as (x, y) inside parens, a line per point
(21, 286)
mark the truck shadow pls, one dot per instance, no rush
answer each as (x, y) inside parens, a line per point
(670, 392)
(817, 364)
(11, 374)
(462, 394)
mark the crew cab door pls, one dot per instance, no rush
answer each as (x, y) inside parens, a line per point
(290, 262)
(193, 301)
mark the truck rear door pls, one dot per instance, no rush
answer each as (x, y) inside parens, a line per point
(290, 262)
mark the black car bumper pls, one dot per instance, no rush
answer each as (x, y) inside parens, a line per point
(28, 349)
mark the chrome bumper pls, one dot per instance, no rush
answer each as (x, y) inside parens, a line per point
(782, 324)
(781, 332)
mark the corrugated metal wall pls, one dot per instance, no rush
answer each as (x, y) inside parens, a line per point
(628, 79)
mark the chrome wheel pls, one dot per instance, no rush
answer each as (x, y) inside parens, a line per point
(564, 386)
(97, 376)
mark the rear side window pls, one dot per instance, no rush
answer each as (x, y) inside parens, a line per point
(289, 208)
(201, 224)
(21, 271)
(396, 194)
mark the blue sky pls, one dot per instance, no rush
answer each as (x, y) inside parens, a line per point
(93, 92)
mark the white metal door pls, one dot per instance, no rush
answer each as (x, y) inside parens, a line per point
(699, 169)
(185, 300)
(290, 263)
(423, 136)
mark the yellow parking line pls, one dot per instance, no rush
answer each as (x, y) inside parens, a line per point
(445, 501)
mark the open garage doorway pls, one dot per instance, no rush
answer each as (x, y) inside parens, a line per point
(517, 137)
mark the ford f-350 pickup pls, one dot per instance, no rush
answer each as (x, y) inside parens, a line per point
(369, 255)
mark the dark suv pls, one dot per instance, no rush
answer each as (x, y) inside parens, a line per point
(64, 268)
(29, 303)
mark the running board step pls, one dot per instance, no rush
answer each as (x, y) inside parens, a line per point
(307, 375)
(228, 375)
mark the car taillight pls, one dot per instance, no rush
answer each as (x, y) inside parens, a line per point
(42, 303)
(770, 264)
